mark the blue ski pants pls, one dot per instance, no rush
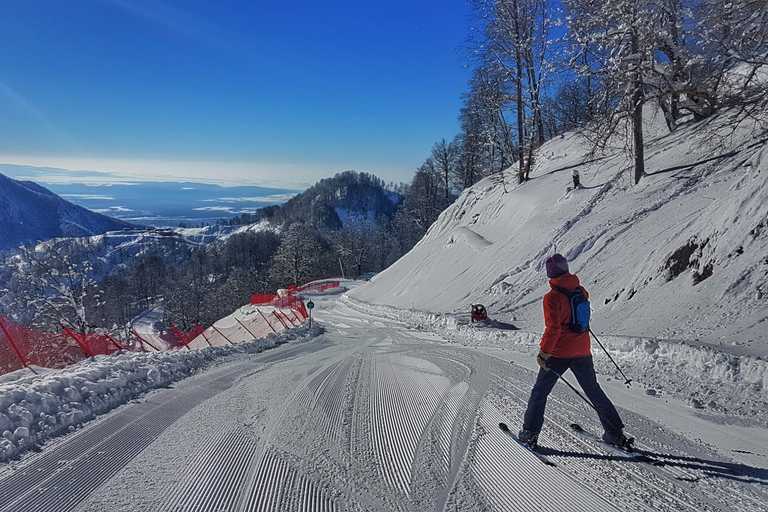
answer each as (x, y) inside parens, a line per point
(584, 371)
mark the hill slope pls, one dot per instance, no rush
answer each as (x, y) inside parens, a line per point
(29, 212)
(682, 255)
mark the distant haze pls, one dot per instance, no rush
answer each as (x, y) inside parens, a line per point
(152, 203)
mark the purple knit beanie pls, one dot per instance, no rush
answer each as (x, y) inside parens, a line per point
(557, 265)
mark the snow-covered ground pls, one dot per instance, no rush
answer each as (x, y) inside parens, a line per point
(368, 412)
(393, 400)
(638, 249)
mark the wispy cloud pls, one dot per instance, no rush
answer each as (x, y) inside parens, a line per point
(113, 210)
(179, 22)
(213, 209)
(105, 171)
(87, 197)
(33, 112)
(272, 198)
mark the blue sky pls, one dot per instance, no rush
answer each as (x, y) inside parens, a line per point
(264, 92)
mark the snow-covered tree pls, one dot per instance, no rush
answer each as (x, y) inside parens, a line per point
(619, 37)
(295, 261)
(52, 281)
(514, 46)
(487, 136)
(354, 246)
(733, 43)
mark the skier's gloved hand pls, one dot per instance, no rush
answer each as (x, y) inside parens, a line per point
(543, 360)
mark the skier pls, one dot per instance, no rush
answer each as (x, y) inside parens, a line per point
(562, 349)
(575, 175)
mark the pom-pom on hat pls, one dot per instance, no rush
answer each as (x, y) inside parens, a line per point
(557, 265)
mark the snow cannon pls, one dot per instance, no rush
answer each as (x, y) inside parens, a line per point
(479, 313)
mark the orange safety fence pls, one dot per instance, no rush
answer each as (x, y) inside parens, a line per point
(21, 347)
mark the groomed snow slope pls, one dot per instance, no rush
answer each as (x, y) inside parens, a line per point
(365, 414)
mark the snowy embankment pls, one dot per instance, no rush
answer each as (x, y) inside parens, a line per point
(714, 382)
(679, 256)
(675, 266)
(39, 403)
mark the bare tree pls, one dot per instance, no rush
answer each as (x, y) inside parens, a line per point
(354, 244)
(444, 158)
(516, 37)
(618, 37)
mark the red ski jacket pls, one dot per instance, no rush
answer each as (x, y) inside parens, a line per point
(558, 339)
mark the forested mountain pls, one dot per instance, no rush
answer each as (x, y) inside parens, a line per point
(332, 202)
(345, 225)
(29, 212)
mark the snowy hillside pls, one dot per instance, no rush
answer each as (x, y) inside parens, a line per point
(30, 212)
(393, 401)
(683, 255)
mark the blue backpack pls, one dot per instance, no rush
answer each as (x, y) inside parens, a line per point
(580, 308)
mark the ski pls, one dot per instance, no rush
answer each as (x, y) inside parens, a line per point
(594, 437)
(504, 428)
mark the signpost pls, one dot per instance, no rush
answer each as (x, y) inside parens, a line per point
(310, 305)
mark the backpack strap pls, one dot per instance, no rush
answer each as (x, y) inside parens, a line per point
(564, 291)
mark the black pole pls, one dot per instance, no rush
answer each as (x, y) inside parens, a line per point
(581, 396)
(575, 390)
(627, 381)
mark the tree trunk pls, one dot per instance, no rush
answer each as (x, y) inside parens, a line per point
(638, 97)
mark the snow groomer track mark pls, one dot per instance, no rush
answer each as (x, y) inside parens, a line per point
(96, 454)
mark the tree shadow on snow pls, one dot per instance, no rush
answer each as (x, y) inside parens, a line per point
(691, 166)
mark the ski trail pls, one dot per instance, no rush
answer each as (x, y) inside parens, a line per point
(369, 416)
(495, 450)
(95, 454)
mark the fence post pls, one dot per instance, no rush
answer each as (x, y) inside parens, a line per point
(114, 342)
(274, 312)
(293, 324)
(222, 334)
(244, 327)
(202, 332)
(145, 341)
(265, 319)
(15, 349)
(182, 336)
(79, 342)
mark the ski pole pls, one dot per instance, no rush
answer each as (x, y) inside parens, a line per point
(580, 395)
(574, 390)
(627, 381)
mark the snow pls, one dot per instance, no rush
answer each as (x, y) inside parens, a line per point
(391, 400)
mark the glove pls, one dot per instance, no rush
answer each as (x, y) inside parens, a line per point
(543, 360)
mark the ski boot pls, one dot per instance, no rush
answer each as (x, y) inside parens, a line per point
(528, 438)
(618, 439)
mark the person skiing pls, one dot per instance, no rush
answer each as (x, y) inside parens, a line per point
(561, 349)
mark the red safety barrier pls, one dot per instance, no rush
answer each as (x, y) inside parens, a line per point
(318, 287)
(94, 343)
(258, 299)
(29, 347)
(21, 347)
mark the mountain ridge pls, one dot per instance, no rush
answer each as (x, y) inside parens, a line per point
(30, 212)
